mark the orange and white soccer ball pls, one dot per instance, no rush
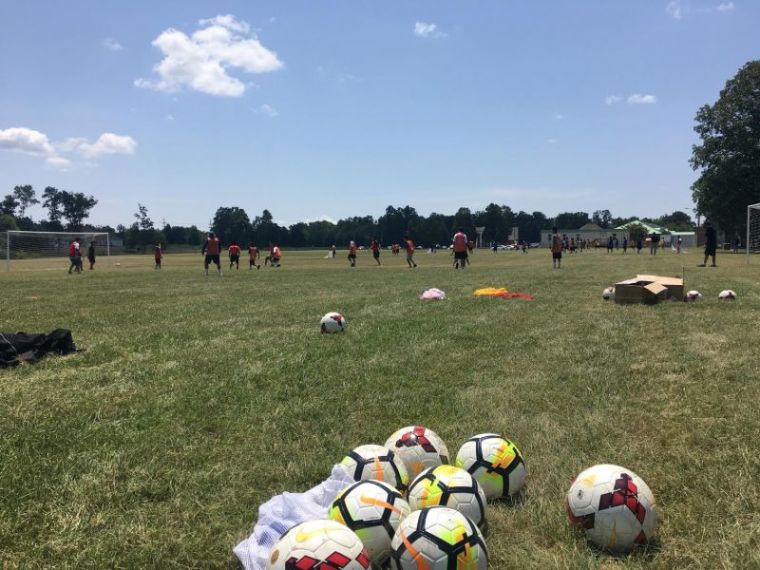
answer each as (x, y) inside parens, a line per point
(419, 448)
(375, 462)
(319, 544)
(727, 295)
(449, 486)
(613, 506)
(495, 463)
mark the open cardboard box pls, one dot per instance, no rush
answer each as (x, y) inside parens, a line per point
(648, 289)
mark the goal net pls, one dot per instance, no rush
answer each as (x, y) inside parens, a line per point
(48, 250)
(753, 230)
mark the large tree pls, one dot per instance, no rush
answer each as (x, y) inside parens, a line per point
(232, 225)
(51, 199)
(76, 208)
(571, 220)
(26, 197)
(8, 205)
(729, 156)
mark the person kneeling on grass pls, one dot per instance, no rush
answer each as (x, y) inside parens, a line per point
(274, 259)
(211, 249)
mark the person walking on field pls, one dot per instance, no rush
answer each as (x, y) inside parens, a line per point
(75, 256)
(375, 247)
(157, 256)
(654, 244)
(352, 253)
(711, 244)
(409, 244)
(556, 248)
(234, 253)
(211, 249)
(460, 249)
(253, 256)
(625, 244)
(91, 255)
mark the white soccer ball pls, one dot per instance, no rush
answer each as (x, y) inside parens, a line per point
(373, 510)
(495, 463)
(118, 264)
(332, 323)
(375, 462)
(614, 507)
(449, 486)
(319, 544)
(692, 296)
(438, 538)
(419, 448)
(608, 293)
(727, 295)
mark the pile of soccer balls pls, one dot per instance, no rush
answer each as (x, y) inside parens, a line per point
(411, 508)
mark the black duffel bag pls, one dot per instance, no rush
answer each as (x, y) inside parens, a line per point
(19, 347)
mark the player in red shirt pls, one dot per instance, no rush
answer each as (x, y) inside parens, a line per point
(157, 255)
(75, 256)
(409, 244)
(253, 256)
(352, 253)
(375, 247)
(234, 253)
(211, 249)
(460, 249)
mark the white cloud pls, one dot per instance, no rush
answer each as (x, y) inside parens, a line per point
(427, 30)
(201, 62)
(107, 143)
(612, 99)
(725, 7)
(269, 111)
(112, 44)
(58, 162)
(675, 9)
(25, 140)
(639, 99)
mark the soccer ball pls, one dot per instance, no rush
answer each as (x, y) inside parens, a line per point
(608, 293)
(318, 544)
(495, 463)
(614, 506)
(449, 486)
(368, 462)
(373, 510)
(419, 448)
(692, 296)
(727, 295)
(438, 538)
(332, 323)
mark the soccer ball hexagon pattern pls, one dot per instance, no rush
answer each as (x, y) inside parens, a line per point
(614, 507)
(368, 462)
(319, 544)
(495, 463)
(373, 510)
(332, 323)
(438, 538)
(452, 487)
(419, 448)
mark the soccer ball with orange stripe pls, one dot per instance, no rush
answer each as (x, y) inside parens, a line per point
(449, 486)
(375, 462)
(438, 538)
(495, 463)
(373, 510)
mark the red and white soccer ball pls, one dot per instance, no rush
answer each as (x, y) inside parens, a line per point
(727, 295)
(608, 294)
(614, 507)
(419, 448)
(319, 544)
(693, 296)
(333, 323)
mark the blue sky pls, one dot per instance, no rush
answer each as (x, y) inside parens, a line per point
(329, 109)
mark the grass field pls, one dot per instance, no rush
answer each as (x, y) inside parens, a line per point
(196, 399)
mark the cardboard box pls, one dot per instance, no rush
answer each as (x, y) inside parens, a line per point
(648, 289)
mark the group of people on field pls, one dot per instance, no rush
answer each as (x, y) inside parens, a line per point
(75, 256)
(212, 249)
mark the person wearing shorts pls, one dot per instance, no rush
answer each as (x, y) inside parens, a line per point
(375, 247)
(556, 249)
(210, 250)
(274, 256)
(352, 253)
(409, 244)
(711, 244)
(158, 255)
(234, 253)
(460, 249)
(75, 256)
(253, 256)
(91, 255)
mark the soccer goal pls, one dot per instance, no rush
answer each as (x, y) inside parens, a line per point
(753, 230)
(41, 250)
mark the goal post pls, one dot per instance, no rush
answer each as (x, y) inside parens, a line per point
(41, 250)
(753, 230)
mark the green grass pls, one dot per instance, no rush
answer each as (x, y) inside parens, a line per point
(196, 399)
